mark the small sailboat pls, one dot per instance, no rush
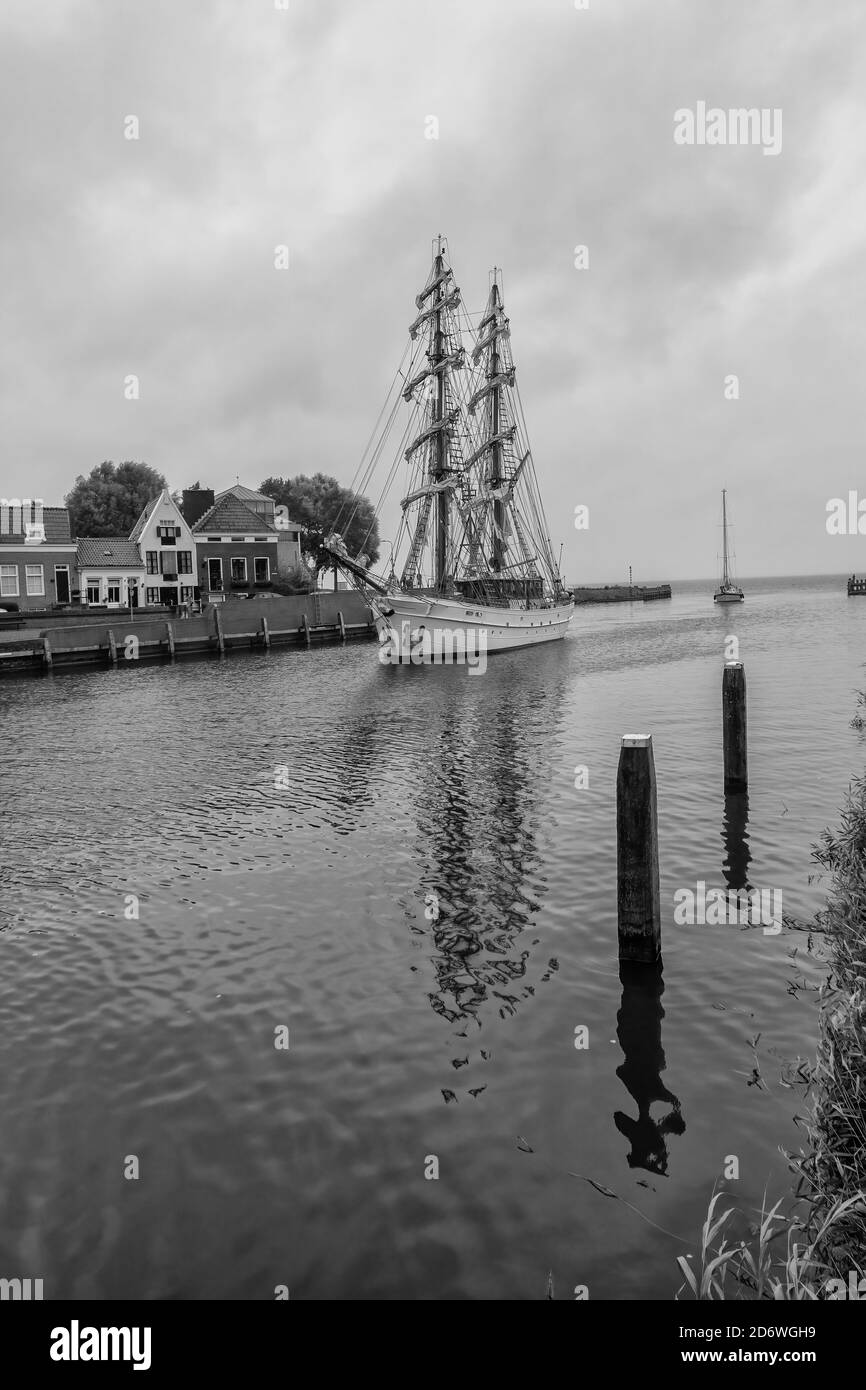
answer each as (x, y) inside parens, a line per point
(472, 560)
(728, 591)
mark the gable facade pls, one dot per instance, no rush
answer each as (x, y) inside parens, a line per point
(168, 551)
(237, 549)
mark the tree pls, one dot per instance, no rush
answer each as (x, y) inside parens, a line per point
(298, 579)
(320, 505)
(109, 501)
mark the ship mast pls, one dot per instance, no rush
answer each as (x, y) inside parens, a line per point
(436, 445)
(495, 479)
(725, 580)
(499, 430)
(441, 456)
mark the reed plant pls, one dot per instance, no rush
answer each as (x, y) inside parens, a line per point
(785, 1260)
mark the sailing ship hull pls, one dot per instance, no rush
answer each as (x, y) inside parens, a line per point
(727, 597)
(451, 626)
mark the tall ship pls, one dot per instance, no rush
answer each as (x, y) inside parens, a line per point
(472, 559)
(728, 591)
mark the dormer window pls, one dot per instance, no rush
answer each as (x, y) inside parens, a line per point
(168, 534)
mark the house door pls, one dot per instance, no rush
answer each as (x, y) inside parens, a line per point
(215, 574)
(168, 596)
(61, 583)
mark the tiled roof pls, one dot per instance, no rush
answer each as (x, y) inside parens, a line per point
(56, 523)
(245, 494)
(108, 552)
(229, 514)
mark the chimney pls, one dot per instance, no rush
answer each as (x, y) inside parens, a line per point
(196, 501)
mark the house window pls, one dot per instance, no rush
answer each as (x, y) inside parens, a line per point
(187, 593)
(168, 534)
(35, 579)
(113, 591)
(8, 581)
(151, 595)
(263, 569)
(92, 590)
(153, 562)
(184, 562)
(239, 569)
(293, 536)
(168, 563)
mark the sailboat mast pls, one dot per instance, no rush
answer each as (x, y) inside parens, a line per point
(495, 476)
(442, 518)
(724, 541)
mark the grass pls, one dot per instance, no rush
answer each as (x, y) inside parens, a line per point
(823, 1235)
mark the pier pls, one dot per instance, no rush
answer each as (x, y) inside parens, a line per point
(118, 638)
(621, 593)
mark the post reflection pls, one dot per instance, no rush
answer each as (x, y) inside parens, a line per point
(738, 856)
(639, 1032)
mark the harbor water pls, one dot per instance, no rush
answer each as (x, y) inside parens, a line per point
(308, 969)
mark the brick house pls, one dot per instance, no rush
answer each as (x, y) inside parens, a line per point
(111, 572)
(198, 501)
(168, 549)
(37, 557)
(237, 548)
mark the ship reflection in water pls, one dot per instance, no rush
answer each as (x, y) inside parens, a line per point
(480, 873)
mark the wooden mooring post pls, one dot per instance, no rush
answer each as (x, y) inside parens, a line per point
(266, 635)
(46, 653)
(305, 628)
(169, 632)
(637, 852)
(221, 642)
(342, 625)
(112, 648)
(734, 727)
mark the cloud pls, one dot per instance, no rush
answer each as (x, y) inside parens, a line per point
(306, 128)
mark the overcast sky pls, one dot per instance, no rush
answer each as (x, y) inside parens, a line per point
(307, 127)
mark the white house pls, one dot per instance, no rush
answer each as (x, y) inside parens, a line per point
(168, 550)
(110, 571)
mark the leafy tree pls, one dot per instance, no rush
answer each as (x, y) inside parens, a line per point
(296, 579)
(109, 501)
(320, 505)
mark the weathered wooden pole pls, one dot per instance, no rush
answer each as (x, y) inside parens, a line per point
(305, 628)
(342, 625)
(219, 629)
(169, 632)
(266, 636)
(734, 727)
(46, 652)
(112, 648)
(637, 852)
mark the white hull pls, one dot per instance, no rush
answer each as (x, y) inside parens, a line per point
(728, 598)
(448, 623)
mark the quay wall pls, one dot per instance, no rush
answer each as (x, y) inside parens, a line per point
(89, 642)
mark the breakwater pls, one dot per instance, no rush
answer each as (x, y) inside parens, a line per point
(620, 593)
(251, 625)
